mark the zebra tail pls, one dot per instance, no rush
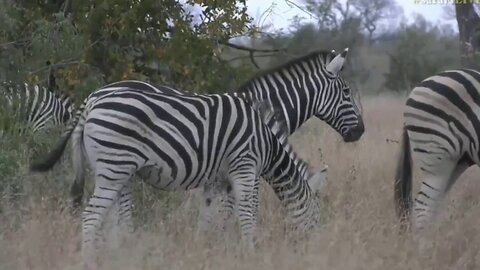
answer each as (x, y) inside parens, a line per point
(403, 181)
(54, 155)
(77, 188)
(51, 158)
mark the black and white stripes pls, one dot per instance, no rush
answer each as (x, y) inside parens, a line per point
(36, 106)
(304, 87)
(442, 133)
(178, 142)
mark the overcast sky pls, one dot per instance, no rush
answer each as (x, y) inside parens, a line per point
(282, 12)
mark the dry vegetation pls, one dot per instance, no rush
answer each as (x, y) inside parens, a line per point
(360, 231)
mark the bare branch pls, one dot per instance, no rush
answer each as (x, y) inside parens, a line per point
(253, 60)
(248, 56)
(249, 49)
(6, 44)
(263, 17)
(62, 64)
(290, 3)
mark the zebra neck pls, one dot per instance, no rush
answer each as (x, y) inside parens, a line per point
(293, 105)
(293, 191)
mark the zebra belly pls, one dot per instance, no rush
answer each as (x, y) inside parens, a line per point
(161, 179)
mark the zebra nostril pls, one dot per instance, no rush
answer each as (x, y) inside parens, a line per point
(208, 201)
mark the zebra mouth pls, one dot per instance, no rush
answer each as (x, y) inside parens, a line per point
(355, 133)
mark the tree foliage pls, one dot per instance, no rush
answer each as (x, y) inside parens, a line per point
(93, 42)
(380, 59)
(419, 51)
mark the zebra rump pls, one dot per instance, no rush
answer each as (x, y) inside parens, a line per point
(441, 136)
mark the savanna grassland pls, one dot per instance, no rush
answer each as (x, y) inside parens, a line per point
(359, 231)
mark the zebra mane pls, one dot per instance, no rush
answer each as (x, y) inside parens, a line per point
(323, 55)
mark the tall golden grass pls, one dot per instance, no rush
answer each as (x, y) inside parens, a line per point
(360, 230)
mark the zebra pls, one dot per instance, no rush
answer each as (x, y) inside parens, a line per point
(36, 106)
(441, 129)
(219, 191)
(307, 86)
(188, 140)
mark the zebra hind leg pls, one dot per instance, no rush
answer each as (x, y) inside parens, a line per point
(125, 220)
(106, 193)
(255, 200)
(438, 179)
(243, 188)
(122, 214)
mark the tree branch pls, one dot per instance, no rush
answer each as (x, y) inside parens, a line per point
(251, 51)
(248, 56)
(290, 3)
(62, 64)
(6, 44)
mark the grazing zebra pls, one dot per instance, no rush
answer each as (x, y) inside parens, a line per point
(36, 106)
(304, 87)
(187, 140)
(441, 131)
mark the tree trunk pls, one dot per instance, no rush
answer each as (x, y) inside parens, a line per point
(468, 28)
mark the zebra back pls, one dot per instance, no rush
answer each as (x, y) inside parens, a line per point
(441, 134)
(35, 105)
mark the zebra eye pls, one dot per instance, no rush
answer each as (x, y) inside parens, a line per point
(346, 91)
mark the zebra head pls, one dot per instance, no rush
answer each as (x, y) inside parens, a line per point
(68, 107)
(337, 104)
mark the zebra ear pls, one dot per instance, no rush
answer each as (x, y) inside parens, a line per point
(337, 63)
(318, 181)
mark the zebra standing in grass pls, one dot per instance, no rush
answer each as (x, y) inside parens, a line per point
(36, 106)
(188, 139)
(304, 87)
(442, 132)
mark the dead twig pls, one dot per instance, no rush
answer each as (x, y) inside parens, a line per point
(293, 4)
(243, 57)
(251, 51)
(391, 141)
(15, 42)
(57, 65)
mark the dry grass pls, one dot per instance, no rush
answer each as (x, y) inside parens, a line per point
(360, 230)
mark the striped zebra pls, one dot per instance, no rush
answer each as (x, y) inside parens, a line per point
(308, 86)
(217, 194)
(189, 140)
(36, 106)
(442, 132)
